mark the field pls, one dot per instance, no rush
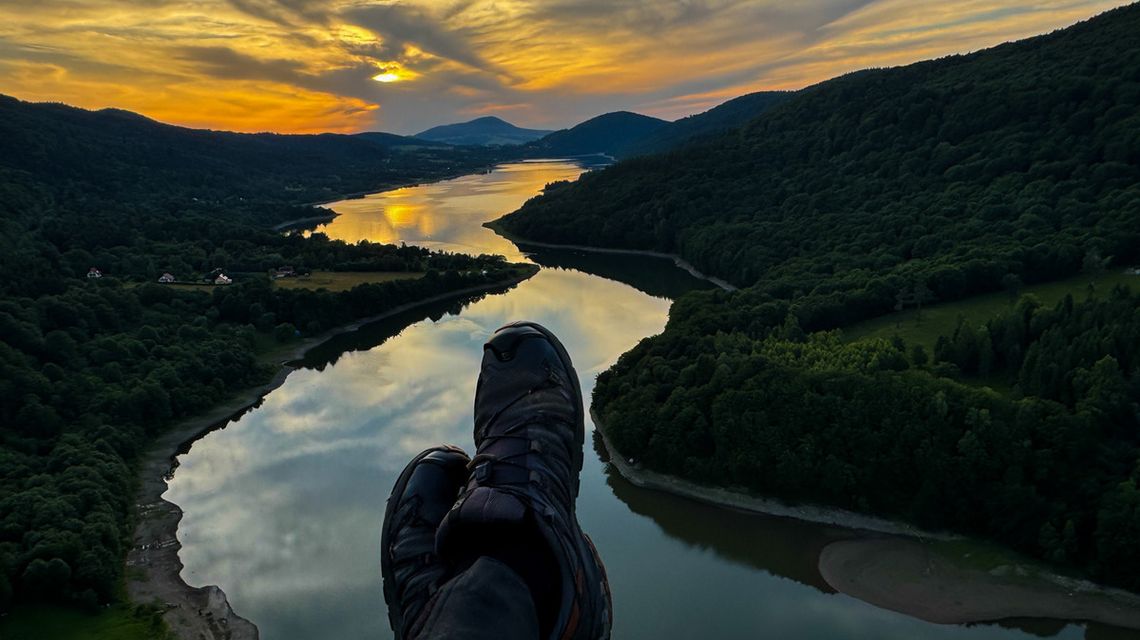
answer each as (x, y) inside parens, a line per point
(204, 288)
(117, 622)
(942, 319)
(343, 280)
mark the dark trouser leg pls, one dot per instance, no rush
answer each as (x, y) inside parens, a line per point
(488, 601)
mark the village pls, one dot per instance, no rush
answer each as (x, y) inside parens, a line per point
(216, 277)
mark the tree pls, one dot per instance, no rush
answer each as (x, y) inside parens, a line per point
(284, 332)
(1012, 284)
(1118, 535)
(1093, 267)
(918, 356)
(922, 294)
(46, 579)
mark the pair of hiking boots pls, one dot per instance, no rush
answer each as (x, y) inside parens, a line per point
(513, 502)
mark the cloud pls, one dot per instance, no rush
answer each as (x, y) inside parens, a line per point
(225, 63)
(287, 13)
(306, 65)
(401, 25)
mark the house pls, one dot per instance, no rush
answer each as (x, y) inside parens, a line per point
(94, 273)
(166, 278)
(223, 279)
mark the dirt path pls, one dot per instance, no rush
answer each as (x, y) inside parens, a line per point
(909, 577)
(153, 566)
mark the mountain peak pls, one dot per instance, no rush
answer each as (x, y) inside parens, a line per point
(606, 133)
(490, 119)
(485, 130)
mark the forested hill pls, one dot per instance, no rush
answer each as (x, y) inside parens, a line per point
(117, 154)
(97, 358)
(1018, 158)
(883, 190)
(730, 115)
(608, 133)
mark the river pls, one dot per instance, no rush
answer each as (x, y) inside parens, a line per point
(283, 507)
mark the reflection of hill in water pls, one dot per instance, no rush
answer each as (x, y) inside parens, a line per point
(780, 546)
(657, 277)
(377, 333)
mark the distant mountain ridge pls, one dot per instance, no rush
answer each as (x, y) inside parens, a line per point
(55, 142)
(484, 131)
(607, 133)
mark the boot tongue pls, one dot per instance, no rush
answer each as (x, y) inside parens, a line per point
(487, 505)
(483, 507)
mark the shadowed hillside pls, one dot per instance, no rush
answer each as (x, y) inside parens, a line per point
(114, 153)
(607, 133)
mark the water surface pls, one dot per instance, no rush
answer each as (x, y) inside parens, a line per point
(283, 507)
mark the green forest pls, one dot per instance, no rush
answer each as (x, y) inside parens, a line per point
(878, 192)
(92, 369)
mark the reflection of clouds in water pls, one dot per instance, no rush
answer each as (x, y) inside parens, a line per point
(284, 508)
(286, 504)
(596, 318)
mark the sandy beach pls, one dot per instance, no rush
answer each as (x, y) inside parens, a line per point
(153, 566)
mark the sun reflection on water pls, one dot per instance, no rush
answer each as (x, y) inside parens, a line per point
(446, 215)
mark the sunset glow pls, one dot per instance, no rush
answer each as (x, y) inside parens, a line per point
(305, 66)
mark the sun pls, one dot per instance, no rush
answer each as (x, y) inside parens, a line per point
(387, 76)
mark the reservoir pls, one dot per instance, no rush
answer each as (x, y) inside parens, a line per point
(283, 506)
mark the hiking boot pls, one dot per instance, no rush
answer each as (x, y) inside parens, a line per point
(519, 499)
(412, 571)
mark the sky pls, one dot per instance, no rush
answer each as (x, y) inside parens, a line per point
(309, 66)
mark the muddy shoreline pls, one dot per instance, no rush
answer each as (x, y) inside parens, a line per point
(153, 566)
(741, 501)
(906, 576)
(895, 566)
(304, 222)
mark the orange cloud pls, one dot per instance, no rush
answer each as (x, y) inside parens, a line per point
(310, 65)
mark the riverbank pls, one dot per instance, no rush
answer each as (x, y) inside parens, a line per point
(304, 222)
(741, 501)
(912, 571)
(677, 260)
(153, 566)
